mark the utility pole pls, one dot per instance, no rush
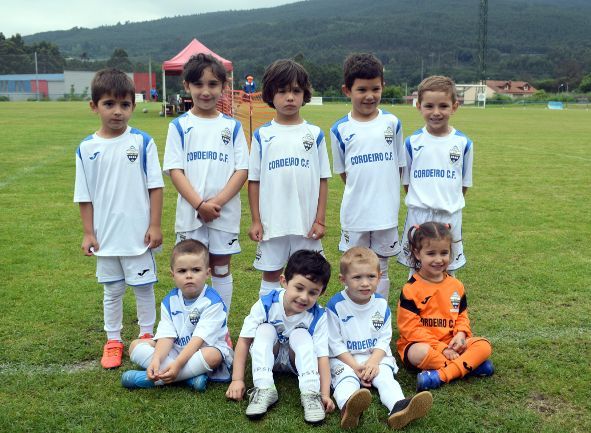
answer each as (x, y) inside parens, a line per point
(149, 95)
(36, 77)
(482, 37)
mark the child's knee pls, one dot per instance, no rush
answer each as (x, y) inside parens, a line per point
(211, 356)
(482, 343)
(417, 353)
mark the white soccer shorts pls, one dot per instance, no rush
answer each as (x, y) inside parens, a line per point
(217, 242)
(135, 270)
(273, 254)
(382, 242)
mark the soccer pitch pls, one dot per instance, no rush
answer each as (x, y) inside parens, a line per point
(527, 232)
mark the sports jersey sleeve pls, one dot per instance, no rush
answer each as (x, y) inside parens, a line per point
(324, 163)
(256, 316)
(338, 151)
(407, 152)
(409, 324)
(400, 147)
(166, 327)
(81, 192)
(173, 152)
(467, 165)
(254, 162)
(211, 323)
(320, 337)
(336, 345)
(153, 171)
(240, 148)
(385, 333)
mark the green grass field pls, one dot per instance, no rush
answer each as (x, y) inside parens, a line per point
(527, 233)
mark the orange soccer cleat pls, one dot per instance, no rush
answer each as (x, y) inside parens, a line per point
(112, 354)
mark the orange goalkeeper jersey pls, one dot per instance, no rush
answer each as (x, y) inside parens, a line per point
(431, 313)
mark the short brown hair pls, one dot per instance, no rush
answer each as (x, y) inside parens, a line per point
(114, 82)
(365, 66)
(281, 74)
(189, 246)
(193, 69)
(438, 83)
(359, 255)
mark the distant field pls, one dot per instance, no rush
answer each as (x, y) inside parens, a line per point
(527, 231)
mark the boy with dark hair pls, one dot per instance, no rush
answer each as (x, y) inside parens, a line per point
(368, 153)
(286, 331)
(119, 189)
(287, 174)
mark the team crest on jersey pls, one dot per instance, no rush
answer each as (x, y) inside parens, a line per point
(389, 135)
(308, 141)
(132, 154)
(454, 154)
(194, 317)
(455, 302)
(377, 321)
(226, 135)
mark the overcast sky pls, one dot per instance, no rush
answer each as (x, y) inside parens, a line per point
(33, 16)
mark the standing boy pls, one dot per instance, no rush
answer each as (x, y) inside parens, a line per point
(119, 189)
(368, 153)
(286, 332)
(190, 344)
(287, 173)
(438, 168)
(360, 330)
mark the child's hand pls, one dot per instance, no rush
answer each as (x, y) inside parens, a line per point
(170, 373)
(458, 343)
(450, 354)
(370, 371)
(153, 370)
(317, 231)
(153, 237)
(209, 210)
(359, 371)
(328, 403)
(236, 390)
(89, 245)
(256, 232)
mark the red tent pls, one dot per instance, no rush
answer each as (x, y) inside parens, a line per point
(175, 65)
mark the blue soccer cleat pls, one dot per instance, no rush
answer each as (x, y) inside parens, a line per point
(483, 370)
(198, 383)
(134, 379)
(428, 379)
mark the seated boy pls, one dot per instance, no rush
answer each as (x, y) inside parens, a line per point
(190, 342)
(360, 329)
(286, 331)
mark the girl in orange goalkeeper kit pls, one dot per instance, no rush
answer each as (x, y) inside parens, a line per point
(435, 334)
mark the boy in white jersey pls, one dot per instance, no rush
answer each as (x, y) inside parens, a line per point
(190, 343)
(368, 153)
(206, 157)
(286, 331)
(287, 174)
(438, 168)
(119, 189)
(360, 330)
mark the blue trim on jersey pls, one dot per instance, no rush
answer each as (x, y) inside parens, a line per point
(145, 143)
(332, 302)
(398, 126)
(88, 138)
(337, 134)
(179, 128)
(237, 127)
(78, 153)
(468, 145)
(268, 300)
(166, 300)
(319, 138)
(317, 311)
(257, 135)
(215, 298)
(408, 147)
(388, 313)
(418, 132)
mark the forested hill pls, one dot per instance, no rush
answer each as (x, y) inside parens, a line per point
(527, 39)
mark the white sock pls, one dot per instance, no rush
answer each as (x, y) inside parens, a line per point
(262, 357)
(113, 308)
(300, 341)
(145, 304)
(142, 355)
(224, 286)
(388, 388)
(384, 283)
(195, 366)
(267, 286)
(345, 389)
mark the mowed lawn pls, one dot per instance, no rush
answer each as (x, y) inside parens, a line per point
(527, 233)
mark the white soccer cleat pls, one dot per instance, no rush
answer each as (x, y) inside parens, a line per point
(313, 407)
(260, 400)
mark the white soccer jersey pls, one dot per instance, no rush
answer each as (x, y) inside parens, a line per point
(436, 170)
(269, 309)
(359, 329)
(288, 161)
(371, 154)
(209, 151)
(115, 174)
(205, 318)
